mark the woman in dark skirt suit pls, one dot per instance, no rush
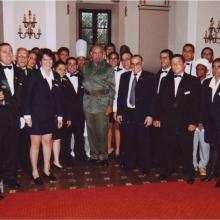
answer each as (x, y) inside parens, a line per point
(65, 94)
(42, 111)
(211, 120)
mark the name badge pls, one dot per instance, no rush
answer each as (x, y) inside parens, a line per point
(3, 87)
(56, 84)
(219, 93)
(187, 93)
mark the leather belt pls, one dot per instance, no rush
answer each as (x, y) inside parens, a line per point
(97, 92)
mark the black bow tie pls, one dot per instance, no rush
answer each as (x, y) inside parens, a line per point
(164, 71)
(188, 63)
(76, 75)
(118, 69)
(7, 67)
(176, 76)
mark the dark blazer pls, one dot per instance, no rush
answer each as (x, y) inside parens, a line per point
(41, 102)
(144, 94)
(157, 77)
(66, 98)
(211, 113)
(14, 101)
(176, 113)
(77, 100)
(27, 79)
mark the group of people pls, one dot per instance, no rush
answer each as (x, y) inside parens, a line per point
(109, 107)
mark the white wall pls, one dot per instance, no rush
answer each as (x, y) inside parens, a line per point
(62, 24)
(188, 21)
(45, 11)
(207, 10)
(132, 26)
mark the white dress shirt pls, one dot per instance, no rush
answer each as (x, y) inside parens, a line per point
(117, 82)
(74, 80)
(214, 85)
(9, 73)
(177, 81)
(162, 75)
(190, 68)
(49, 78)
(129, 88)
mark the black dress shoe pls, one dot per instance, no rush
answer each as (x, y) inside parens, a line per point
(92, 161)
(163, 177)
(54, 166)
(207, 178)
(146, 172)
(190, 180)
(103, 163)
(38, 181)
(50, 177)
(1, 196)
(218, 183)
(13, 184)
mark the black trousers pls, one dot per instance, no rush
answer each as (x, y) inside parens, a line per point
(157, 145)
(9, 135)
(214, 160)
(24, 150)
(178, 146)
(77, 129)
(136, 143)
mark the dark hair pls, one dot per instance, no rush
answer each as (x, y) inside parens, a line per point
(113, 53)
(109, 45)
(5, 44)
(46, 51)
(207, 48)
(189, 45)
(124, 48)
(179, 56)
(71, 58)
(128, 52)
(138, 56)
(57, 63)
(169, 52)
(61, 49)
(217, 60)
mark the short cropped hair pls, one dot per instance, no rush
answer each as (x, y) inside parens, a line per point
(179, 56)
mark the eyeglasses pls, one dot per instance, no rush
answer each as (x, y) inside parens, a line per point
(136, 64)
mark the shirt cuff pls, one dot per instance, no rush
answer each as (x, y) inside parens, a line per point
(59, 118)
(27, 117)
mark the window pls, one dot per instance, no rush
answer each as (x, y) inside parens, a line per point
(95, 26)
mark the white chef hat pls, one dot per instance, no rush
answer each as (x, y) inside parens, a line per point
(203, 62)
(81, 48)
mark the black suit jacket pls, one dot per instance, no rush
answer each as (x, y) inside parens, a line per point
(176, 113)
(77, 112)
(14, 106)
(144, 95)
(42, 103)
(211, 113)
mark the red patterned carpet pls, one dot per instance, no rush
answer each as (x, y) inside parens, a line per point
(163, 200)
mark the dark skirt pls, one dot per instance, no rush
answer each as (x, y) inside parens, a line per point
(41, 127)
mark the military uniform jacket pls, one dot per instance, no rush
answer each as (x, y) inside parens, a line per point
(97, 77)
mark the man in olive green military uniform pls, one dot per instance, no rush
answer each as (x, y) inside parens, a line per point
(99, 87)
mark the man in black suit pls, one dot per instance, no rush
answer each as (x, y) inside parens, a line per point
(78, 119)
(11, 86)
(211, 120)
(176, 111)
(165, 70)
(134, 114)
(24, 138)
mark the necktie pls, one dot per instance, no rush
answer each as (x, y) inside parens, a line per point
(176, 76)
(132, 93)
(7, 67)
